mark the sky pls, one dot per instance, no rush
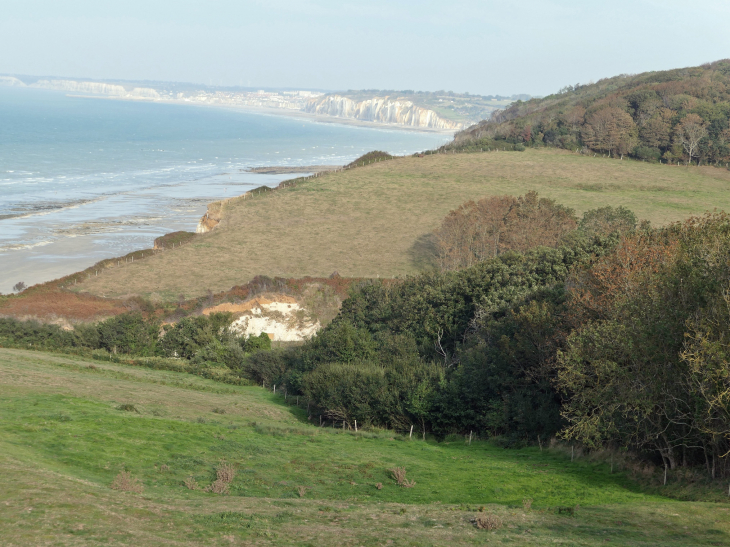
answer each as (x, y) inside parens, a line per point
(476, 46)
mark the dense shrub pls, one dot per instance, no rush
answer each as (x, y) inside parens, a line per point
(129, 333)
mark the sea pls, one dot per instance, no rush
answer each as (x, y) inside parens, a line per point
(83, 179)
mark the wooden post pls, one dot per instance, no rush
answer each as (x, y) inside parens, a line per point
(320, 420)
(470, 438)
(572, 452)
(665, 472)
(410, 435)
(343, 425)
(274, 389)
(355, 426)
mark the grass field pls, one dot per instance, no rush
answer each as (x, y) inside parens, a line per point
(376, 220)
(64, 437)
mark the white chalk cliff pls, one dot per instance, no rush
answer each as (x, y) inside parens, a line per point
(98, 88)
(380, 109)
(10, 81)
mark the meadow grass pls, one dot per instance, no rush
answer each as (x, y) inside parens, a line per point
(69, 427)
(376, 221)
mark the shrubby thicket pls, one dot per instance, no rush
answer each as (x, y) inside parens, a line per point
(204, 340)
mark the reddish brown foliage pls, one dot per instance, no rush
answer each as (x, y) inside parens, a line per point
(620, 274)
(47, 302)
(483, 229)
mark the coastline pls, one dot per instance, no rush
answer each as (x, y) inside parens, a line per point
(137, 183)
(283, 112)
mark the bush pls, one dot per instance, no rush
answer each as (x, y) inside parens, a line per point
(647, 154)
(129, 333)
(252, 344)
(268, 367)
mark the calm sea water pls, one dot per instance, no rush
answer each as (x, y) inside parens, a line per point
(83, 179)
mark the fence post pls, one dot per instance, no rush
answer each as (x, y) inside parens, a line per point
(470, 438)
(320, 420)
(274, 388)
(410, 435)
(355, 426)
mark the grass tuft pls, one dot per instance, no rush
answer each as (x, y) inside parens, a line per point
(225, 472)
(487, 522)
(125, 482)
(128, 408)
(399, 476)
(218, 487)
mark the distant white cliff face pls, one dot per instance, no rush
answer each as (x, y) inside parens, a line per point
(10, 81)
(380, 109)
(98, 88)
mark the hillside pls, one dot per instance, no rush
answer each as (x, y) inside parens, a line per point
(669, 116)
(71, 426)
(376, 221)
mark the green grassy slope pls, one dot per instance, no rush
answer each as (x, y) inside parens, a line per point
(376, 220)
(63, 439)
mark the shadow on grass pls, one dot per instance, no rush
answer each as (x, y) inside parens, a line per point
(423, 253)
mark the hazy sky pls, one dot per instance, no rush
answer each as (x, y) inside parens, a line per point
(486, 47)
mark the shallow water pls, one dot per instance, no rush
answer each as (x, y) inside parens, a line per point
(83, 179)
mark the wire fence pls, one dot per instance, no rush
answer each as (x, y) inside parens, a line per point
(320, 418)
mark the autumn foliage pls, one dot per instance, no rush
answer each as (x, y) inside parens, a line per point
(672, 116)
(488, 227)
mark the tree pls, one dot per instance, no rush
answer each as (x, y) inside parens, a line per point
(471, 233)
(606, 220)
(19, 286)
(655, 133)
(689, 133)
(575, 117)
(480, 230)
(610, 129)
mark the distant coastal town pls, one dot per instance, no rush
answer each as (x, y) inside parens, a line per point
(442, 111)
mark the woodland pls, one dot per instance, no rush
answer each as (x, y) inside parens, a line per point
(670, 116)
